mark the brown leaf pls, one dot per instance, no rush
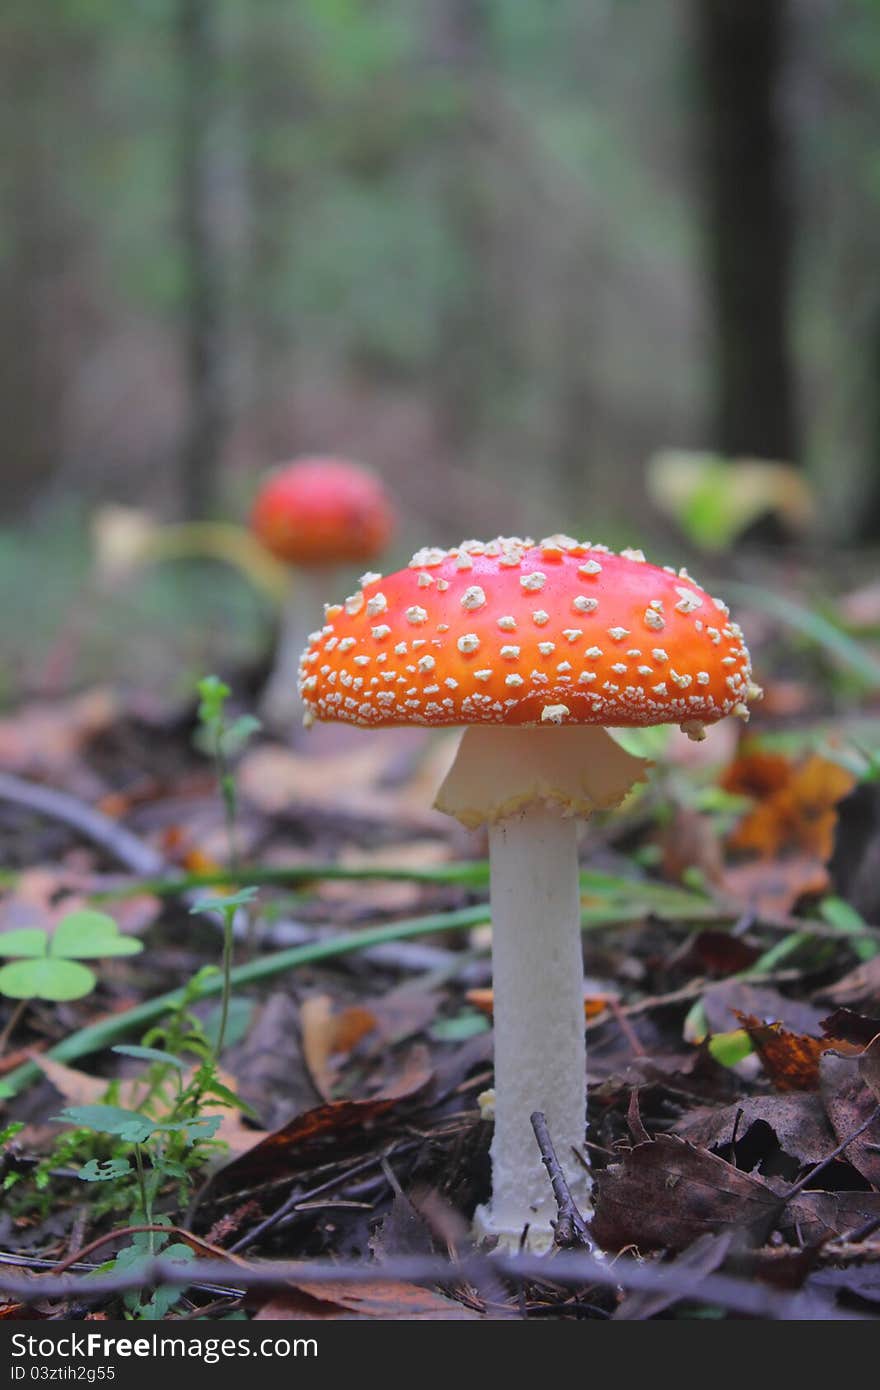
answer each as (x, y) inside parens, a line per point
(790, 1060)
(775, 886)
(814, 1216)
(690, 842)
(333, 1131)
(848, 1103)
(328, 1037)
(869, 1066)
(665, 1194)
(796, 1119)
(45, 740)
(851, 1027)
(757, 774)
(382, 1299)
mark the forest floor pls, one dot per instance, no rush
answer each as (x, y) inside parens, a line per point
(731, 916)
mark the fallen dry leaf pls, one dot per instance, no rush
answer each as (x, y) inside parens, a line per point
(382, 1299)
(794, 1121)
(44, 740)
(723, 1001)
(796, 811)
(790, 1060)
(333, 1131)
(851, 1027)
(328, 1036)
(848, 1102)
(775, 886)
(483, 999)
(664, 1194)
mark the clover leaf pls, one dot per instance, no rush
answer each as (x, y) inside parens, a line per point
(47, 967)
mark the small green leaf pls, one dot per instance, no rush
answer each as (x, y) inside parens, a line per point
(88, 935)
(844, 918)
(648, 742)
(150, 1054)
(10, 1131)
(225, 903)
(57, 980)
(213, 694)
(93, 1171)
(204, 1128)
(240, 730)
(110, 1119)
(458, 1029)
(730, 1048)
(26, 941)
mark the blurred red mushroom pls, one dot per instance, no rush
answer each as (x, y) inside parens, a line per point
(317, 515)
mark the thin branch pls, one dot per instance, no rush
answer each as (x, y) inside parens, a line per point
(570, 1228)
(746, 1297)
(835, 1153)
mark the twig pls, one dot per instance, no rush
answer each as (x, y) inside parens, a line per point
(570, 1228)
(114, 839)
(835, 1153)
(296, 1198)
(194, 1242)
(566, 1269)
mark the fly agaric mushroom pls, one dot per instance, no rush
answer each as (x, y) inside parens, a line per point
(535, 648)
(315, 514)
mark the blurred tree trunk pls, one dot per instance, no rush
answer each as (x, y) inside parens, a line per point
(867, 518)
(33, 331)
(476, 357)
(205, 328)
(741, 46)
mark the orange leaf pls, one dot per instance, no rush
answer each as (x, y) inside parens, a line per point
(483, 999)
(796, 815)
(328, 1038)
(791, 1060)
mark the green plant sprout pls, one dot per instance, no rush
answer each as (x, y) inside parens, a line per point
(48, 967)
(223, 741)
(164, 1147)
(227, 907)
(148, 1138)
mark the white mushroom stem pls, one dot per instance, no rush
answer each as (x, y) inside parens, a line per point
(530, 784)
(538, 984)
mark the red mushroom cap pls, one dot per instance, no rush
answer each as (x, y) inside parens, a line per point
(509, 632)
(322, 511)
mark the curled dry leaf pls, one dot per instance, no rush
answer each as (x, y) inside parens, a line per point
(851, 1027)
(848, 1102)
(328, 1037)
(796, 1121)
(796, 804)
(790, 1060)
(665, 1194)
